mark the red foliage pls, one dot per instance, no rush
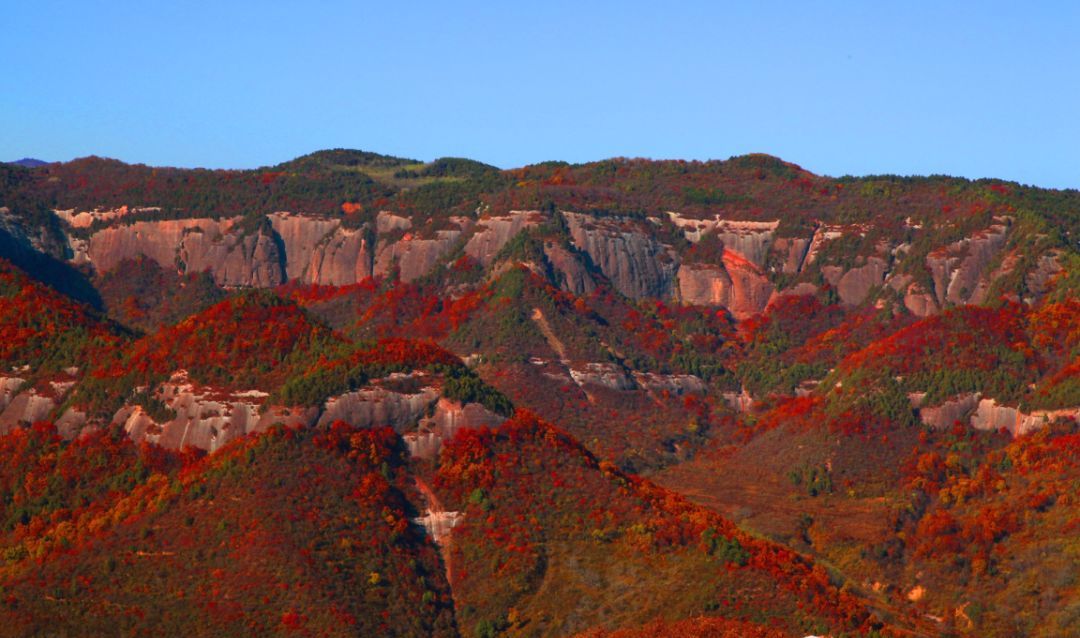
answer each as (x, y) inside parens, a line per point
(39, 324)
(528, 482)
(959, 338)
(237, 344)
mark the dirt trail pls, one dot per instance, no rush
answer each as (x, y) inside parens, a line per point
(549, 334)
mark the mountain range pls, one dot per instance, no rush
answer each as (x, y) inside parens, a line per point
(355, 394)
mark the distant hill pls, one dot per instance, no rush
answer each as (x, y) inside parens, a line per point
(29, 162)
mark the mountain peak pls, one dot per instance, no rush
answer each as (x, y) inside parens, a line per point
(29, 162)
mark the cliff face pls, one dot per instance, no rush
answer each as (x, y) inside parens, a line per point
(949, 412)
(854, 286)
(792, 252)
(917, 299)
(573, 275)
(674, 384)
(379, 406)
(605, 375)
(9, 387)
(24, 408)
(492, 233)
(959, 269)
(704, 285)
(304, 239)
(413, 257)
(991, 416)
(750, 288)
(987, 414)
(637, 265)
(447, 419)
(751, 239)
(207, 418)
(236, 260)
(204, 417)
(159, 240)
(322, 251)
(736, 284)
(344, 258)
(638, 256)
(308, 249)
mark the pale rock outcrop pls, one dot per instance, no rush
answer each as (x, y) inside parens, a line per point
(26, 408)
(637, 265)
(751, 239)
(822, 234)
(344, 257)
(205, 418)
(387, 222)
(736, 284)
(574, 276)
(958, 268)
(750, 288)
(949, 412)
(704, 285)
(989, 415)
(920, 302)
(739, 401)
(917, 300)
(793, 252)
(158, 240)
(300, 247)
(693, 229)
(1038, 280)
(302, 236)
(832, 274)
(85, 218)
(71, 423)
(448, 419)
(605, 375)
(375, 405)
(21, 406)
(234, 259)
(492, 233)
(414, 257)
(675, 384)
(190, 245)
(439, 524)
(9, 388)
(855, 285)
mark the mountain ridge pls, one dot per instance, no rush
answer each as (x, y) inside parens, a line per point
(844, 386)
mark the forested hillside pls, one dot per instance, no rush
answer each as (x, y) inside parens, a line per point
(354, 394)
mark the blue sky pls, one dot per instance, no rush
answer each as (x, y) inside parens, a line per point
(987, 89)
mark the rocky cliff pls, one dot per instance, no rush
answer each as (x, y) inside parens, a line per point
(493, 232)
(735, 283)
(637, 264)
(959, 269)
(207, 418)
(413, 257)
(987, 414)
(641, 257)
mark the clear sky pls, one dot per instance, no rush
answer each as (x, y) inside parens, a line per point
(979, 89)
